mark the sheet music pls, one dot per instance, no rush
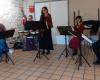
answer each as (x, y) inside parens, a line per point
(86, 38)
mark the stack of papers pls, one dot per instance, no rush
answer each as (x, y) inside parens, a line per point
(86, 38)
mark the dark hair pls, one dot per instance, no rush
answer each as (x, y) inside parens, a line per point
(31, 16)
(79, 17)
(44, 8)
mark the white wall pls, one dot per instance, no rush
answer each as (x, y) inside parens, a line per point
(26, 4)
(61, 20)
(59, 13)
(10, 14)
(88, 9)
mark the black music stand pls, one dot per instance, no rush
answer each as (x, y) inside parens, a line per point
(4, 35)
(63, 30)
(38, 25)
(80, 55)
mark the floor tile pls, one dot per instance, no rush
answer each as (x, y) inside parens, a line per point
(52, 69)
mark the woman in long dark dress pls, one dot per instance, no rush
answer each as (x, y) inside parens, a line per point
(45, 41)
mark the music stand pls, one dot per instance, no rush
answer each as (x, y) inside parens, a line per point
(63, 30)
(80, 55)
(4, 35)
(38, 25)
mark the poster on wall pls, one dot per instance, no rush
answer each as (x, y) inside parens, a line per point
(31, 8)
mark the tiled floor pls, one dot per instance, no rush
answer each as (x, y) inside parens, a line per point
(52, 69)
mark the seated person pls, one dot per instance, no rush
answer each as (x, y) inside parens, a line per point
(29, 23)
(3, 46)
(74, 42)
(29, 27)
(96, 49)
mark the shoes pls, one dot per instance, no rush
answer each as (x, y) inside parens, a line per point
(48, 52)
(42, 52)
(11, 51)
(74, 54)
(96, 62)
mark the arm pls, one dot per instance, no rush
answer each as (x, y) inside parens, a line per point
(50, 24)
(79, 28)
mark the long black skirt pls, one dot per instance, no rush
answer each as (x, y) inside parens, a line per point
(45, 40)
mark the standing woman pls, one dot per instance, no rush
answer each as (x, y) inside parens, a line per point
(45, 42)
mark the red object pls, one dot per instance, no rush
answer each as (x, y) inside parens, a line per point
(24, 20)
(49, 21)
(74, 43)
(79, 28)
(31, 9)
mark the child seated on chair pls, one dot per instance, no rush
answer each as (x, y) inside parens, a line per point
(74, 42)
